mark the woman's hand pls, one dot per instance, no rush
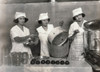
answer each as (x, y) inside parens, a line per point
(61, 23)
(76, 31)
(32, 40)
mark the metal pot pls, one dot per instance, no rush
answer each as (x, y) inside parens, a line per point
(57, 41)
(93, 35)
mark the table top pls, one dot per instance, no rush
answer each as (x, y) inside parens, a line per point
(74, 66)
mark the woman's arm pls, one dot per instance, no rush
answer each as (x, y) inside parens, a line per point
(71, 38)
(21, 39)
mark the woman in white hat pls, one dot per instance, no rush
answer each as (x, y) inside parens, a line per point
(43, 32)
(19, 34)
(76, 32)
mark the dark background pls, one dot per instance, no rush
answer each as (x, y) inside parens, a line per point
(57, 11)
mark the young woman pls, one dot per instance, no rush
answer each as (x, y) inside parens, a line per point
(19, 34)
(76, 32)
(43, 32)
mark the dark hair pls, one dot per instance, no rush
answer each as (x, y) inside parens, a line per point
(40, 21)
(83, 15)
(16, 20)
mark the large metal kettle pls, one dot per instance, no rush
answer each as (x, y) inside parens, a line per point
(58, 42)
(93, 35)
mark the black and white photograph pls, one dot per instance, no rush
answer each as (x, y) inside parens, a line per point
(49, 35)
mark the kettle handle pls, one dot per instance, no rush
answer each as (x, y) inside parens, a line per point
(61, 23)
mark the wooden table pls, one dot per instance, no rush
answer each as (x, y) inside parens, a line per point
(74, 66)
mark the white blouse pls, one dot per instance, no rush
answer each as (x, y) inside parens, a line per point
(43, 36)
(17, 32)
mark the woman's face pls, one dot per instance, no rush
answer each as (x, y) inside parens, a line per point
(21, 20)
(79, 18)
(44, 22)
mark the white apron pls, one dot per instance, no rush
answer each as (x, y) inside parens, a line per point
(43, 36)
(17, 32)
(76, 48)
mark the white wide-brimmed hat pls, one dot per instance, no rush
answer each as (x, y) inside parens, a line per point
(77, 11)
(20, 14)
(43, 16)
